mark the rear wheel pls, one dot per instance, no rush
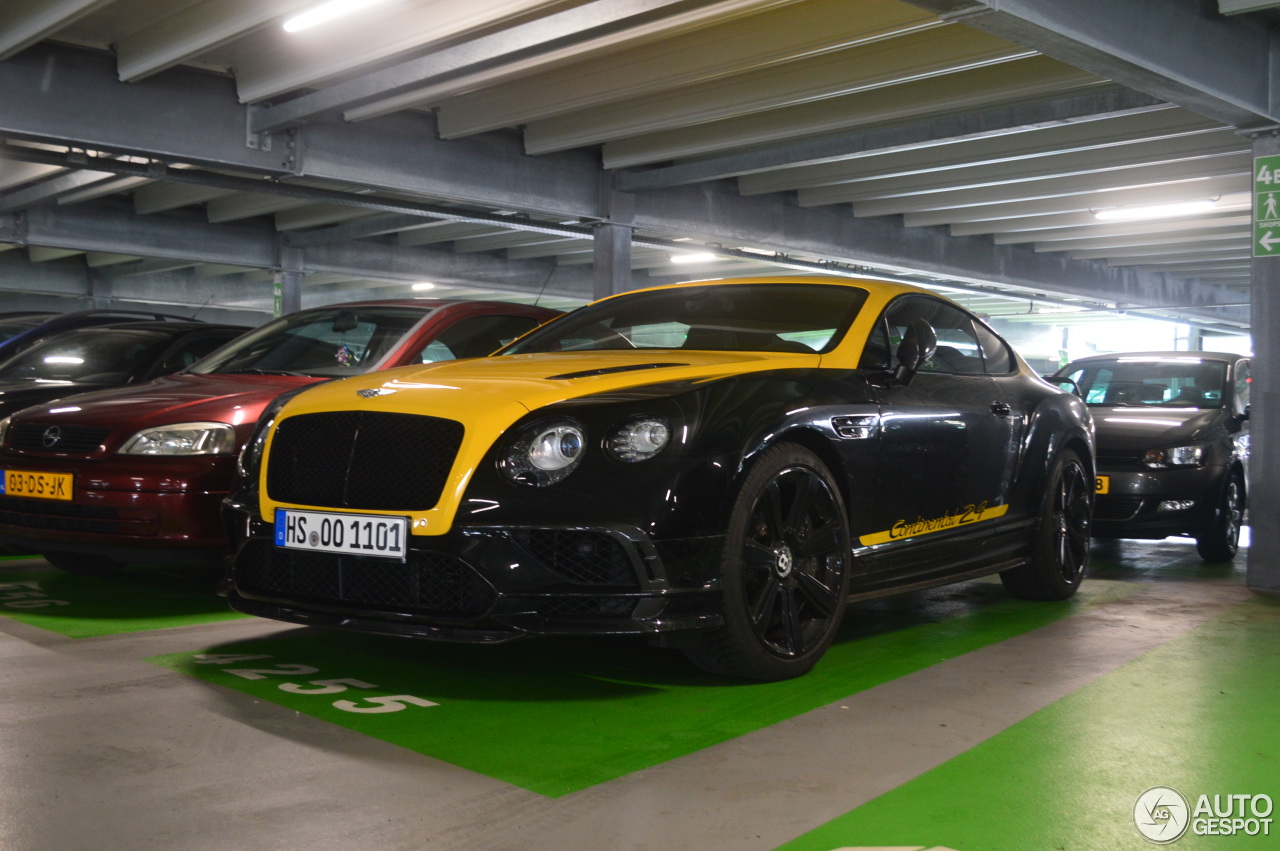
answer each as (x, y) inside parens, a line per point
(84, 565)
(1060, 542)
(785, 571)
(1223, 539)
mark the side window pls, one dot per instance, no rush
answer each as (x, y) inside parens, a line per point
(187, 352)
(958, 350)
(1242, 383)
(996, 356)
(476, 336)
(876, 353)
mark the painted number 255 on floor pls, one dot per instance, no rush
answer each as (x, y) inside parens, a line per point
(317, 687)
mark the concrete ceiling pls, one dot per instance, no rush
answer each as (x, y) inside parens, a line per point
(191, 151)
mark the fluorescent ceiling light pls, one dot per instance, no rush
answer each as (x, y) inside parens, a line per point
(1154, 211)
(705, 257)
(424, 286)
(324, 13)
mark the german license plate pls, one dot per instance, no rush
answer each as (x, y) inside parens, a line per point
(354, 534)
(1102, 485)
(38, 485)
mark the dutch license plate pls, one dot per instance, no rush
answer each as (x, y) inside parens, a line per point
(1102, 485)
(35, 485)
(355, 534)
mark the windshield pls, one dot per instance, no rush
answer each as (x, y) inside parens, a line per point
(1187, 382)
(803, 318)
(13, 326)
(88, 355)
(326, 342)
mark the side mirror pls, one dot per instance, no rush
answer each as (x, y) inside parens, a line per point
(1064, 383)
(919, 342)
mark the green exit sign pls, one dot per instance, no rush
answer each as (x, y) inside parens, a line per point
(1266, 206)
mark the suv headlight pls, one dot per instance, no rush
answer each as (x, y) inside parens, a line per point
(183, 439)
(1175, 456)
(544, 453)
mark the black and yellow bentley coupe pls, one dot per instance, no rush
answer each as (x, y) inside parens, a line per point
(719, 465)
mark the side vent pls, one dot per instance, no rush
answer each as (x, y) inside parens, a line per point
(856, 428)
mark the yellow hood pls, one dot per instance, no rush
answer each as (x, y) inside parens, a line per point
(488, 395)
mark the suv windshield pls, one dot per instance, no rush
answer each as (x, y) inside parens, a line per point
(804, 318)
(89, 355)
(326, 342)
(1174, 382)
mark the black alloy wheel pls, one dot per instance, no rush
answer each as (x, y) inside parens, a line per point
(785, 570)
(1223, 539)
(1060, 542)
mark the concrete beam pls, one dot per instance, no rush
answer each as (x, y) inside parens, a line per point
(728, 219)
(1180, 50)
(946, 131)
(69, 96)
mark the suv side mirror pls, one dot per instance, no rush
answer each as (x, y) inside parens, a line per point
(918, 344)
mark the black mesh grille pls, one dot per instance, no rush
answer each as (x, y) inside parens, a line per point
(429, 583)
(1116, 507)
(587, 607)
(62, 516)
(30, 437)
(582, 557)
(362, 459)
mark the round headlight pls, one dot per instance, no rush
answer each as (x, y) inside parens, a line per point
(544, 453)
(639, 439)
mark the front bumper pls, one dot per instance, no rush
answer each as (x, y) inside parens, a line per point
(1131, 509)
(483, 584)
(139, 509)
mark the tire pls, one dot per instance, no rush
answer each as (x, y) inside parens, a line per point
(784, 572)
(1222, 541)
(1060, 541)
(84, 565)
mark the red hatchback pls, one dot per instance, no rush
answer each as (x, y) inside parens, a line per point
(138, 475)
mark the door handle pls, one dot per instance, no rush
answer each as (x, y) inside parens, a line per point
(1001, 409)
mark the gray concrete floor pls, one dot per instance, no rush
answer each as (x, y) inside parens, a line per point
(102, 750)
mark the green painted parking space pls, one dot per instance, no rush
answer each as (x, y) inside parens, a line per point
(556, 716)
(139, 598)
(1197, 715)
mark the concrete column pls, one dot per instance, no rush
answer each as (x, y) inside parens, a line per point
(100, 290)
(288, 282)
(612, 257)
(1264, 416)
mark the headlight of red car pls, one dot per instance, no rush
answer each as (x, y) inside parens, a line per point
(183, 439)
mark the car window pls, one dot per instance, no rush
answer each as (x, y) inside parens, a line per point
(1172, 382)
(1243, 381)
(336, 341)
(802, 318)
(87, 355)
(958, 352)
(191, 349)
(997, 358)
(476, 337)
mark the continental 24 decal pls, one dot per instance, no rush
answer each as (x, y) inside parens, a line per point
(920, 526)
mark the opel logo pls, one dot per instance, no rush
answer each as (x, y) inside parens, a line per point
(51, 437)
